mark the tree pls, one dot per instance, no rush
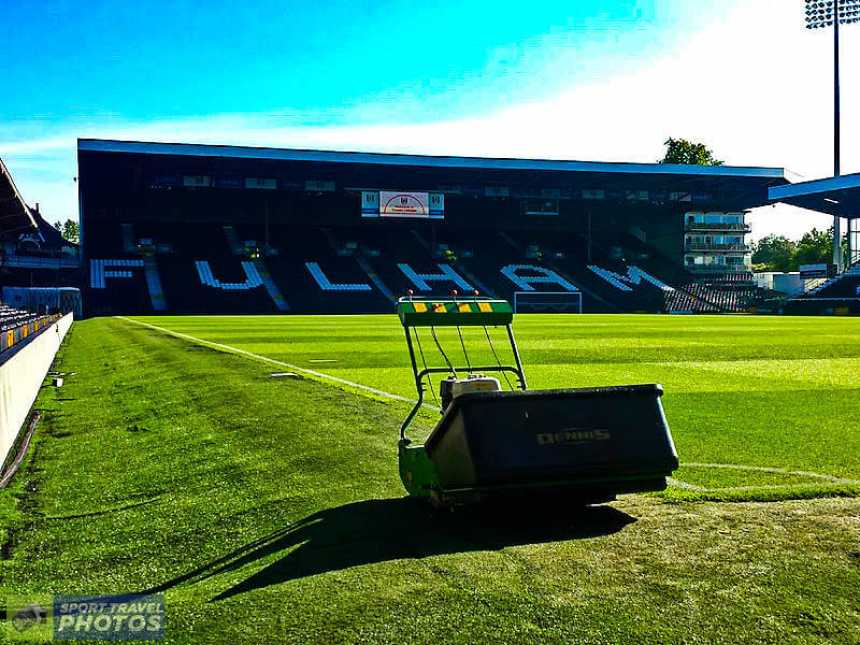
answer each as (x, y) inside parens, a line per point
(774, 253)
(816, 247)
(681, 151)
(69, 230)
(778, 253)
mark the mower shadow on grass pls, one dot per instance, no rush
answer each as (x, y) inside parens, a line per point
(381, 530)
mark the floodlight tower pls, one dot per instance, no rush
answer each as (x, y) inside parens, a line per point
(833, 13)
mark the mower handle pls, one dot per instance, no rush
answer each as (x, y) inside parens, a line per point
(463, 368)
(419, 375)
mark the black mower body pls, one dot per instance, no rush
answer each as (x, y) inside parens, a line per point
(600, 441)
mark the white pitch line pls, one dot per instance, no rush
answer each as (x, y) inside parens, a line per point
(677, 483)
(259, 357)
(769, 469)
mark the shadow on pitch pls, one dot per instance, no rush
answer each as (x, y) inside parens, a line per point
(381, 530)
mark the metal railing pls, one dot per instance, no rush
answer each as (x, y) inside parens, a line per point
(702, 246)
(718, 268)
(705, 226)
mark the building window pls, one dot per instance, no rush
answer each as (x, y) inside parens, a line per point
(544, 207)
(264, 183)
(196, 181)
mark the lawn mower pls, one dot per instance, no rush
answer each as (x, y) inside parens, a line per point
(586, 445)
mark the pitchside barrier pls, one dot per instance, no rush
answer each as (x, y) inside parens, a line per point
(22, 370)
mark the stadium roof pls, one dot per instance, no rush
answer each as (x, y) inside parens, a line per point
(15, 215)
(838, 196)
(753, 181)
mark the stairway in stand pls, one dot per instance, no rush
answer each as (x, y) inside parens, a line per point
(271, 288)
(153, 284)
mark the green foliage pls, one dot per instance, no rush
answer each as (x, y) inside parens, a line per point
(681, 151)
(815, 247)
(775, 253)
(778, 253)
(270, 510)
(69, 230)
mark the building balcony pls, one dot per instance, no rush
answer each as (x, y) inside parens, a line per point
(703, 226)
(718, 269)
(717, 248)
(40, 262)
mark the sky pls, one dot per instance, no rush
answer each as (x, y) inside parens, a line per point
(604, 80)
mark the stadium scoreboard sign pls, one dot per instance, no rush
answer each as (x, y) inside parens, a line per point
(406, 204)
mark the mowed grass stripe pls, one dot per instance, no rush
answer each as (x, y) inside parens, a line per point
(377, 341)
(773, 412)
(266, 359)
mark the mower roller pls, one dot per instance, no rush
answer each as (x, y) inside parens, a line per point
(586, 445)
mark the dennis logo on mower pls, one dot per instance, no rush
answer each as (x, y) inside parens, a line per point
(572, 436)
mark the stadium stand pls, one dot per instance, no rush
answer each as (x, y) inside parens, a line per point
(32, 252)
(837, 295)
(208, 229)
(732, 292)
(844, 285)
(15, 215)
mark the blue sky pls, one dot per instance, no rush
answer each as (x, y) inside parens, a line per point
(589, 79)
(317, 63)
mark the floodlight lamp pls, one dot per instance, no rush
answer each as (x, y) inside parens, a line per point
(820, 13)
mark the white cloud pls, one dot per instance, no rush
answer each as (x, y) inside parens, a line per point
(756, 86)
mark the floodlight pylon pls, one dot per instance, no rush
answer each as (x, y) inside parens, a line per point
(833, 13)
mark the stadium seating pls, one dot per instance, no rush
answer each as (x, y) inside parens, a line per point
(321, 273)
(838, 295)
(117, 285)
(710, 298)
(11, 317)
(238, 267)
(18, 325)
(845, 285)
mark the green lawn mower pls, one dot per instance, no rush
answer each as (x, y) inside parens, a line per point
(586, 445)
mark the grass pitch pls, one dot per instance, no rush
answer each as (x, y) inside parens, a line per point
(269, 510)
(760, 407)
